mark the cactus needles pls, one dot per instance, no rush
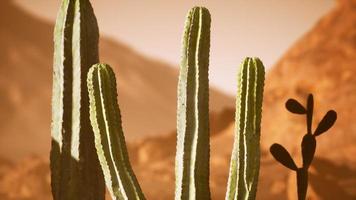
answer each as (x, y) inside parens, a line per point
(109, 137)
(75, 169)
(192, 156)
(245, 159)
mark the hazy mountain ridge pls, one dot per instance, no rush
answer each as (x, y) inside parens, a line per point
(321, 62)
(146, 87)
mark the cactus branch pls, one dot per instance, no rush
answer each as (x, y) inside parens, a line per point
(192, 157)
(310, 108)
(282, 156)
(308, 149)
(245, 159)
(109, 137)
(326, 123)
(295, 107)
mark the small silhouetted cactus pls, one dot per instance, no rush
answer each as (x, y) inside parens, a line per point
(75, 169)
(110, 143)
(308, 144)
(245, 159)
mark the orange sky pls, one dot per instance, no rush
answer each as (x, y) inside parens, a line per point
(263, 28)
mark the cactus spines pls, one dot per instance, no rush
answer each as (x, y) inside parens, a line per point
(75, 169)
(308, 144)
(192, 155)
(109, 137)
(245, 159)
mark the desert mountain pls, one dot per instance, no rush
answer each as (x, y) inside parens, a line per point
(322, 62)
(146, 87)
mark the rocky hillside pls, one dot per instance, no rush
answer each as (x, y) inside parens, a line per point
(146, 87)
(322, 62)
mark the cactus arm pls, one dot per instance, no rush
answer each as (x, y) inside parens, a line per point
(235, 163)
(109, 137)
(75, 169)
(254, 146)
(192, 156)
(245, 159)
(326, 123)
(310, 110)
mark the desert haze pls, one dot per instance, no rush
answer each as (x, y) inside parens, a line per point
(322, 62)
(146, 87)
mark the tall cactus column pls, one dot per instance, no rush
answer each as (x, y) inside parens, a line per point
(245, 159)
(192, 157)
(109, 136)
(75, 169)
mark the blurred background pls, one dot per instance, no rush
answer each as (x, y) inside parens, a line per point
(306, 46)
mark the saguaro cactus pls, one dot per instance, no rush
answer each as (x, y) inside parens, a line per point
(109, 137)
(192, 156)
(245, 159)
(75, 169)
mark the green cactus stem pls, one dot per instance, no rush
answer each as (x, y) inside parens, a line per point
(245, 159)
(192, 155)
(109, 137)
(75, 169)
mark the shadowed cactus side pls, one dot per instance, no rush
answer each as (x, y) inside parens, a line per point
(245, 159)
(192, 155)
(109, 137)
(75, 169)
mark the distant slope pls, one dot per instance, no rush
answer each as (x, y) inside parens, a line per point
(323, 62)
(147, 88)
